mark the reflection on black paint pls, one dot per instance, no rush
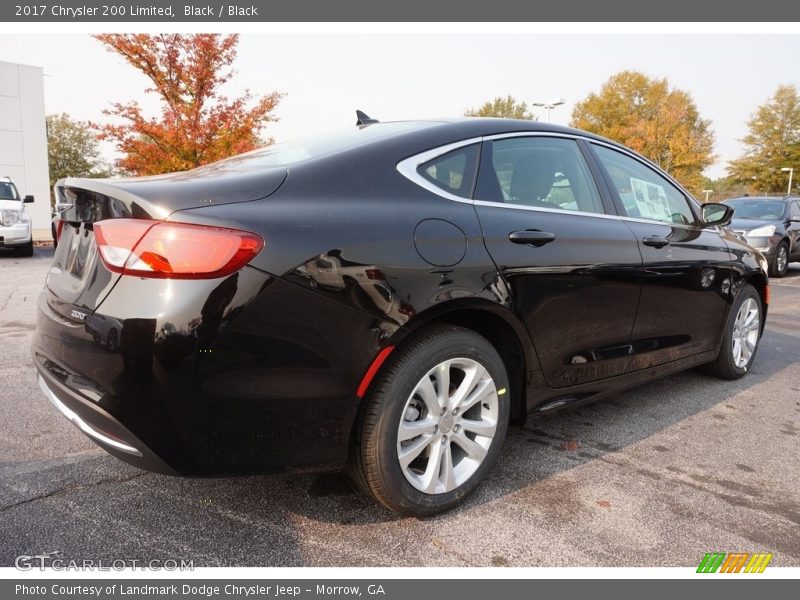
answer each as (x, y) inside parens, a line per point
(213, 310)
(106, 331)
(136, 345)
(135, 381)
(360, 285)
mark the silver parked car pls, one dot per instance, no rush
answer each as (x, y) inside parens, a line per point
(15, 222)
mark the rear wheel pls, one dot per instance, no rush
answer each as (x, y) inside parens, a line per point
(780, 262)
(434, 422)
(742, 334)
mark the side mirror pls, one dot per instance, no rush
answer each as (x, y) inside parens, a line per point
(28, 199)
(716, 214)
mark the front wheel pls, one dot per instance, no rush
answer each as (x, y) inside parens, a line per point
(434, 423)
(780, 262)
(741, 337)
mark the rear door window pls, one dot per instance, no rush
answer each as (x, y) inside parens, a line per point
(539, 172)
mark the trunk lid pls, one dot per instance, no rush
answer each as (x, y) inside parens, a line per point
(78, 281)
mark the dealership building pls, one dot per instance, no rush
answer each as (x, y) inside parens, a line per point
(23, 139)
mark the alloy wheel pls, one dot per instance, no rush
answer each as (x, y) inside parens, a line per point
(746, 329)
(447, 425)
(782, 259)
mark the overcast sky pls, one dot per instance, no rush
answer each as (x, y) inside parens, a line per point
(401, 76)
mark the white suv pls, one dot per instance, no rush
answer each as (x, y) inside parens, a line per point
(15, 222)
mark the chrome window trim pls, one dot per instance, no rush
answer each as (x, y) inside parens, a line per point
(516, 134)
(408, 168)
(666, 224)
(558, 211)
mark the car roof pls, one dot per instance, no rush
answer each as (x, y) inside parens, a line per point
(452, 129)
(460, 128)
(5, 179)
(484, 126)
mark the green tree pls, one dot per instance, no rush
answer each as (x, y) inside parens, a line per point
(506, 108)
(72, 150)
(658, 121)
(772, 142)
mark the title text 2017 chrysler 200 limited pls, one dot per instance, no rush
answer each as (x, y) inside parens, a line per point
(389, 297)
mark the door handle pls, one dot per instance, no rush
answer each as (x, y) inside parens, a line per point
(656, 241)
(533, 238)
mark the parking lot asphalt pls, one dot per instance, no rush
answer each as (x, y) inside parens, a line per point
(655, 476)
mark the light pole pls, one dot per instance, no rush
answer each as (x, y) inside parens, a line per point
(790, 171)
(707, 192)
(549, 105)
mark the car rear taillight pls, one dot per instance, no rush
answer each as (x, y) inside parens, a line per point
(59, 229)
(160, 249)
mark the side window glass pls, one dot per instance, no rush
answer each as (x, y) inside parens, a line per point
(453, 172)
(644, 193)
(795, 209)
(543, 172)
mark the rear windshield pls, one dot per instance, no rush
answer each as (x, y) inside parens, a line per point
(757, 209)
(8, 191)
(295, 151)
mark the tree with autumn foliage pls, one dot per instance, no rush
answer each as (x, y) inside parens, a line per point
(198, 124)
(772, 143)
(659, 122)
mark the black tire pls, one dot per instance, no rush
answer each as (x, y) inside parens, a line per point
(112, 341)
(724, 366)
(374, 463)
(25, 250)
(774, 269)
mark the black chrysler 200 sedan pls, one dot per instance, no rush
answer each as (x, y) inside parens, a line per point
(387, 298)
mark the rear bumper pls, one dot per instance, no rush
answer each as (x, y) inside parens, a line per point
(245, 374)
(99, 425)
